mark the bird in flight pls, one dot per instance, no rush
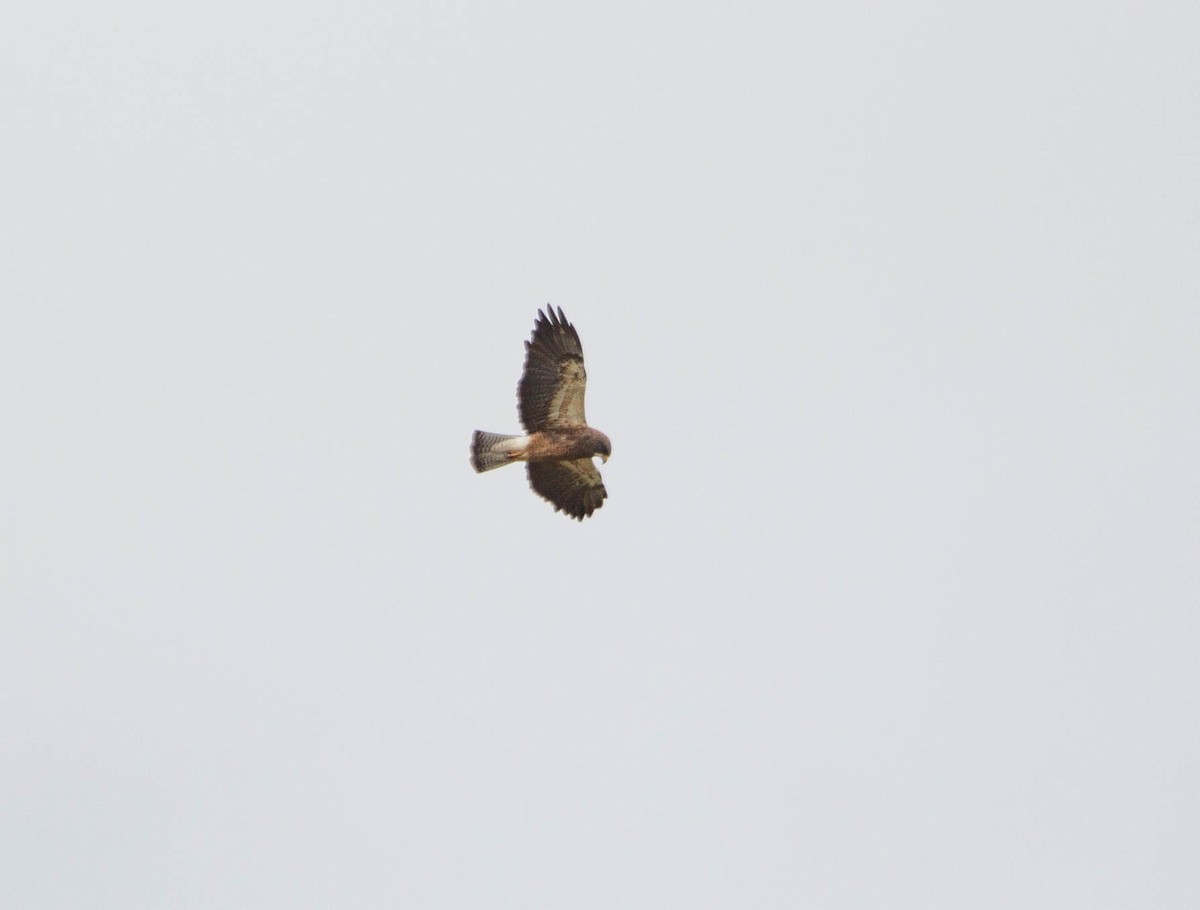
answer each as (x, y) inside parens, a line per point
(559, 445)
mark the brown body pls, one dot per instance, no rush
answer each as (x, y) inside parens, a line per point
(556, 445)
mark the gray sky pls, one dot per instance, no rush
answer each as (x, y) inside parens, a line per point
(890, 312)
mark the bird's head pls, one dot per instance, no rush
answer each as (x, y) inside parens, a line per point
(603, 446)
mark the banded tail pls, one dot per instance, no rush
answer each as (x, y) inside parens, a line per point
(494, 450)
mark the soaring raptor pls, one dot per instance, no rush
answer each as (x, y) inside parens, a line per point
(559, 445)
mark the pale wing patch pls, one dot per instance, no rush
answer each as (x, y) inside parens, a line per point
(566, 405)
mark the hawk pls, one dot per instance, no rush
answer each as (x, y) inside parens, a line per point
(559, 445)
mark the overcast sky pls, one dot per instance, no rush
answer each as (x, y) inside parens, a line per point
(891, 311)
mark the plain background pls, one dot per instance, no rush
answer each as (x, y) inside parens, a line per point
(891, 313)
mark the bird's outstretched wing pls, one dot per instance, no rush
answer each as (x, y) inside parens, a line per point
(550, 393)
(573, 486)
